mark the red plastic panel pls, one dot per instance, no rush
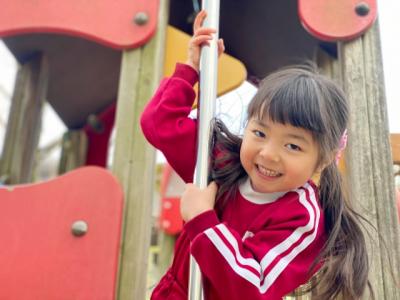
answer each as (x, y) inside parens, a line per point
(108, 22)
(39, 256)
(172, 187)
(334, 20)
(170, 217)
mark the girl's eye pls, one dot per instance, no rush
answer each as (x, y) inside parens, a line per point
(293, 147)
(258, 133)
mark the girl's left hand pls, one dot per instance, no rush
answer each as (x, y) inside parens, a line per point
(195, 201)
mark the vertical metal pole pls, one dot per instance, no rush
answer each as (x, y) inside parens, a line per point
(206, 112)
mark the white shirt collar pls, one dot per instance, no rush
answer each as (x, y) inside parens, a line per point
(246, 190)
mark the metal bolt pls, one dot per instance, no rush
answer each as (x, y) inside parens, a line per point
(362, 9)
(141, 18)
(95, 123)
(79, 228)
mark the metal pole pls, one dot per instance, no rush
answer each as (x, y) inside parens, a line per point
(206, 112)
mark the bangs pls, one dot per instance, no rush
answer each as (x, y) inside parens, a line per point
(293, 100)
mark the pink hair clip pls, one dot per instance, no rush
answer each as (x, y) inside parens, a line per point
(342, 146)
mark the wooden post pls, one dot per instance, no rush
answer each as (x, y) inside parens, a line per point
(73, 150)
(23, 128)
(368, 157)
(328, 65)
(166, 243)
(133, 162)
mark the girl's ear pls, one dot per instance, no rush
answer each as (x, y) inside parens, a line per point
(317, 173)
(327, 161)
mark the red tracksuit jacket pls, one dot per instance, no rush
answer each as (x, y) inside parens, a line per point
(263, 245)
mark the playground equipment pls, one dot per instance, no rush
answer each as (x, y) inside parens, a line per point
(58, 244)
(99, 61)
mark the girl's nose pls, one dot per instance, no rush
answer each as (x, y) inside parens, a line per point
(269, 152)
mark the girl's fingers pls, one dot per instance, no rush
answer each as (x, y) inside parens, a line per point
(204, 30)
(198, 21)
(200, 40)
(221, 46)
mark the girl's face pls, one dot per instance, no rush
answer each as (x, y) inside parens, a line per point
(277, 157)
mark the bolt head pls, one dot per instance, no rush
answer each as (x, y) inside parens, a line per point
(79, 228)
(95, 123)
(141, 18)
(362, 9)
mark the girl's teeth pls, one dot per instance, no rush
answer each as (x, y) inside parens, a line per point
(268, 172)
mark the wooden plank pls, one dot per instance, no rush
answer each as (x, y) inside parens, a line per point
(358, 152)
(133, 162)
(166, 244)
(73, 151)
(388, 224)
(328, 65)
(23, 128)
(368, 156)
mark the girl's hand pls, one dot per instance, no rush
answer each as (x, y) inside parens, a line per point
(201, 36)
(195, 201)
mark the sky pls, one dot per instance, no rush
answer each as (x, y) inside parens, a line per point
(390, 39)
(389, 22)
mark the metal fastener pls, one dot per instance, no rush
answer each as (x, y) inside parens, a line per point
(141, 18)
(95, 123)
(79, 228)
(362, 9)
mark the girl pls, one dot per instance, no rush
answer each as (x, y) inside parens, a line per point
(267, 228)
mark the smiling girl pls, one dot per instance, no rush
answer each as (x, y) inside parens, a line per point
(262, 228)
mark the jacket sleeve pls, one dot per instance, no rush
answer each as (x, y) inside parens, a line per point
(268, 264)
(165, 122)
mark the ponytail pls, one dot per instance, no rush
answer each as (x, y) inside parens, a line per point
(345, 260)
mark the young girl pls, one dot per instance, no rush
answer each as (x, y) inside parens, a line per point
(267, 228)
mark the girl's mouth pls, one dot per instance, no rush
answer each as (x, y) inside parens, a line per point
(268, 172)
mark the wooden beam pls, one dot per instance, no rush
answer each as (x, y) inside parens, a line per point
(328, 65)
(368, 157)
(166, 244)
(73, 150)
(24, 124)
(133, 162)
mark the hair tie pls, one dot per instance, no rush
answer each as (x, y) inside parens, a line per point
(342, 146)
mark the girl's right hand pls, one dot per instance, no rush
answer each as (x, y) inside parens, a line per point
(201, 36)
(195, 201)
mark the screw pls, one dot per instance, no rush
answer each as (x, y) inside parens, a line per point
(79, 228)
(141, 18)
(95, 123)
(362, 9)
